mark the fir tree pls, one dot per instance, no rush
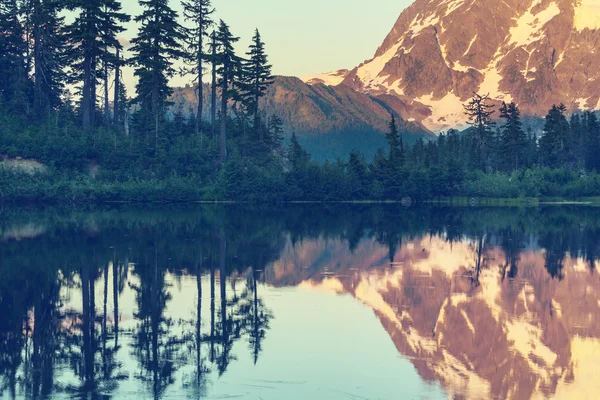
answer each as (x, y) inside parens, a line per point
(578, 143)
(120, 102)
(155, 47)
(258, 77)
(47, 34)
(227, 70)
(592, 141)
(297, 156)
(276, 131)
(480, 114)
(213, 85)
(111, 18)
(554, 143)
(199, 13)
(532, 148)
(14, 81)
(513, 140)
(90, 36)
(394, 138)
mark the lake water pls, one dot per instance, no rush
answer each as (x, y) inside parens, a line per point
(304, 302)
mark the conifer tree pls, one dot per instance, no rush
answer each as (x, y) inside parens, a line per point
(90, 36)
(156, 46)
(112, 19)
(513, 140)
(213, 85)
(578, 141)
(258, 77)
(480, 114)
(47, 35)
(532, 148)
(118, 87)
(14, 80)
(297, 156)
(120, 102)
(276, 131)
(394, 138)
(199, 13)
(227, 70)
(592, 141)
(554, 143)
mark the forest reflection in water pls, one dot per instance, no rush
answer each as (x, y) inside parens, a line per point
(369, 302)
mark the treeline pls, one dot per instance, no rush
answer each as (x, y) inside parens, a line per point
(100, 144)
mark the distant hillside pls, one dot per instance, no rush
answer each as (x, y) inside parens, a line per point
(329, 121)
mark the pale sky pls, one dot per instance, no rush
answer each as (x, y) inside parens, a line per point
(303, 37)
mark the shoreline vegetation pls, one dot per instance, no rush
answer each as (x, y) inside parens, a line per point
(99, 145)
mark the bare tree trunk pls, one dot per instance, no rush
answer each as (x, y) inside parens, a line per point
(106, 99)
(223, 147)
(116, 104)
(223, 286)
(87, 94)
(199, 322)
(115, 272)
(212, 313)
(155, 110)
(213, 95)
(126, 123)
(200, 91)
(104, 316)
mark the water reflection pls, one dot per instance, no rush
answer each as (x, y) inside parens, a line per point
(228, 301)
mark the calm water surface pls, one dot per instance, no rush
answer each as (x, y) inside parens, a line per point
(300, 303)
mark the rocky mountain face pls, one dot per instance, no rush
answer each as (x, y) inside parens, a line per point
(534, 52)
(334, 119)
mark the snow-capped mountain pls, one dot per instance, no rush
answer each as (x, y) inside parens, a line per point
(534, 52)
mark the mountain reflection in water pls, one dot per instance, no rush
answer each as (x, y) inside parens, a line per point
(343, 302)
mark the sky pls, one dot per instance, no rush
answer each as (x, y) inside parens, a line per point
(303, 37)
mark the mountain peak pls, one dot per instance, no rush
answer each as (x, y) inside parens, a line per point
(534, 52)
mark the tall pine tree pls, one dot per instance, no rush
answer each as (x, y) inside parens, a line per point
(213, 85)
(394, 138)
(14, 81)
(554, 143)
(480, 114)
(592, 141)
(258, 77)
(92, 38)
(513, 140)
(227, 70)
(47, 34)
(198, 12)
(158, 43)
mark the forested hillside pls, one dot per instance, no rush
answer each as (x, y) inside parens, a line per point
(69, 132)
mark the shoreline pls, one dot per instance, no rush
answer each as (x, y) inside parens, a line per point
(454, 201)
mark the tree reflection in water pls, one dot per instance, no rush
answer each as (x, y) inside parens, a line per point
(63, 328)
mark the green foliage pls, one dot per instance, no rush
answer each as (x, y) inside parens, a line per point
(158, 43)
(171, 159)
(555, 142)
(92, 38)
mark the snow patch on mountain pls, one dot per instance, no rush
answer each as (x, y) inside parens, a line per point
(529, 25)
(333, 78)
(447, 112)
(371, 69)
(587, 15)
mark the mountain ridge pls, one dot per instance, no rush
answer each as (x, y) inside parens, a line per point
(329, 120)
(439, 52)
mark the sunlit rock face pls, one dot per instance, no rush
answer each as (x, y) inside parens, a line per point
(505, 329)
(535, 52)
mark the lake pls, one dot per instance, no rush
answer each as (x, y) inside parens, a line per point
(300, 302)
